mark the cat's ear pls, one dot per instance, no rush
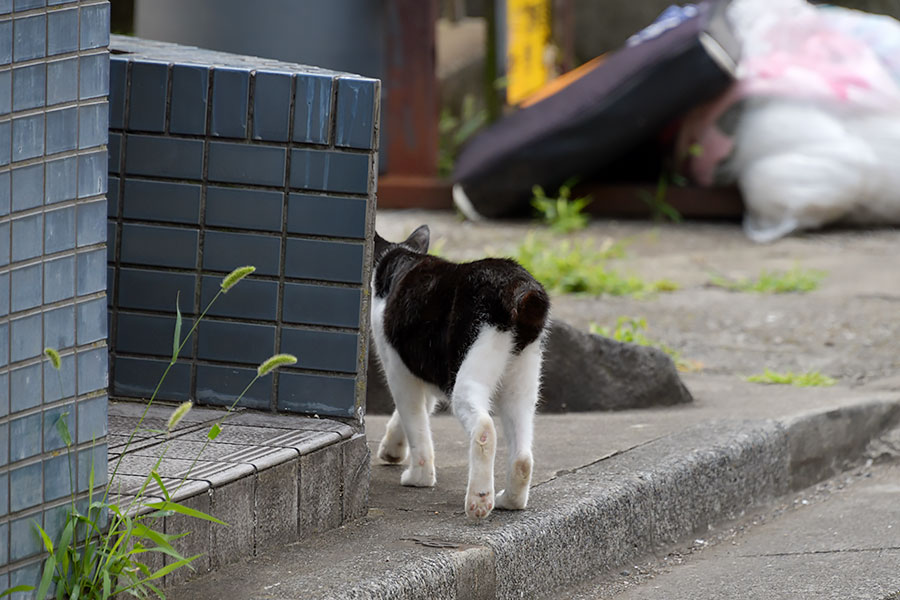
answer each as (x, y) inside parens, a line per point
(418, 240)
(381, 246)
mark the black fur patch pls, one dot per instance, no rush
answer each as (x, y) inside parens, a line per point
(435, 308)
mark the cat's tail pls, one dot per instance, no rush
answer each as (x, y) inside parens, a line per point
(530, 306)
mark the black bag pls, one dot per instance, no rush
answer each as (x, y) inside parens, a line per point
(616, 107)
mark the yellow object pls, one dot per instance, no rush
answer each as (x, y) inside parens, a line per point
(528, 30)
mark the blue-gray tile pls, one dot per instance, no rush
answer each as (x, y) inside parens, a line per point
(92, 459)
(94, 76)
(28, 575)
(328, 261)
(316, 394)
(220, 386)
(91, 275)
(95, 26)
(62, 81)
(164, 157)
(52, 416)
(190, 88)
(4, 248)
(59, 279)
(312, 109)
(137, 378)
(249, 299)
(321, 305)
(22, 5)
(59, 328)
(92, 173)
(56, 476)
(55, 518)
(243, 208)
(59, 232)
(4, 343)
(91, 223)
(111, 240)
(272, 106)
(118, 70)
(92, 370)
(4, 510)
(62, 31)
(24, 437)
(62, 130)
(28, 86)
(92, 419)
(4, 446)
(354, 119)
(27, 137)
(226, 251)
(327, 215)
(159, 246)
(26, 481)
(329, 171)
(93, 125)
(230, 97)
(112, 197)
(5, 93)
(25, 337)
(62, 179)
(149, 335)
(91, 324)
(235, 342)
(161, 201)
(24, 388)
(4, 399)
(4, 294)
(156, 290)
(29, 37)
(111, 284)
(114, 150)
(5, 144)
(27, 234)
(147, 99)
(6, 40)
(5, 193)
(245, 163)
(321, 350)
(59, 384)
(24, 539)
(25, 287)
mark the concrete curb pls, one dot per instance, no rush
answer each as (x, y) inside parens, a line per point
(607, 513)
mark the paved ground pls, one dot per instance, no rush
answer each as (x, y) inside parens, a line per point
(839, 540)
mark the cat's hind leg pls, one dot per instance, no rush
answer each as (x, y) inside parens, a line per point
(412, 409)
(516, 406)
(478, 377)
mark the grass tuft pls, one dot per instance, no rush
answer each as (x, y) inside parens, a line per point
(632, 330)
(808, 379)
(774, 282)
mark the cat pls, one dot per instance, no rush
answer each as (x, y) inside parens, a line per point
(469, 333)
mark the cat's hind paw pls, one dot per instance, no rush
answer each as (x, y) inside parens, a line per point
(419, 476)
(507, 501)
(479, 504)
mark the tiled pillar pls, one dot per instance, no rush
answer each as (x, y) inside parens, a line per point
(54, 69)
(218, 161)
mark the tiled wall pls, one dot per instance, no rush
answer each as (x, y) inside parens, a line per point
(54, 69)
(218, 161)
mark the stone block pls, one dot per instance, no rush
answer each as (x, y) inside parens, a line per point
(277, 490)
(198, 542)
(357, 466)
(234, 504)
(320, 497)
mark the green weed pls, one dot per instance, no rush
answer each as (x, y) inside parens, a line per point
(103, 547)
(632, 331)
(773, 282)
(562, 214)
(577, 267)
(808, 379)
(455, 130)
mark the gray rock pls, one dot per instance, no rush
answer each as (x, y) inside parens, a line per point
(581, 372)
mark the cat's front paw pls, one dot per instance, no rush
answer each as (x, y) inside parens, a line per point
(419, 475)
(393, 452)
(479, 504)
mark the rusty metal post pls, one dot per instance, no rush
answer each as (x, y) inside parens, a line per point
(410, 114)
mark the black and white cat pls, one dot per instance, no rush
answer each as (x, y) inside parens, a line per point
(471, 333)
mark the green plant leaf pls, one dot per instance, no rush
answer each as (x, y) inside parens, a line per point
(48, 545)
(184, 510)
(63, 429)
(53, 355)
(176, 339)
(47, 577)
(18, 588)
(107, 585)
(214, 432)
(160, 483)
